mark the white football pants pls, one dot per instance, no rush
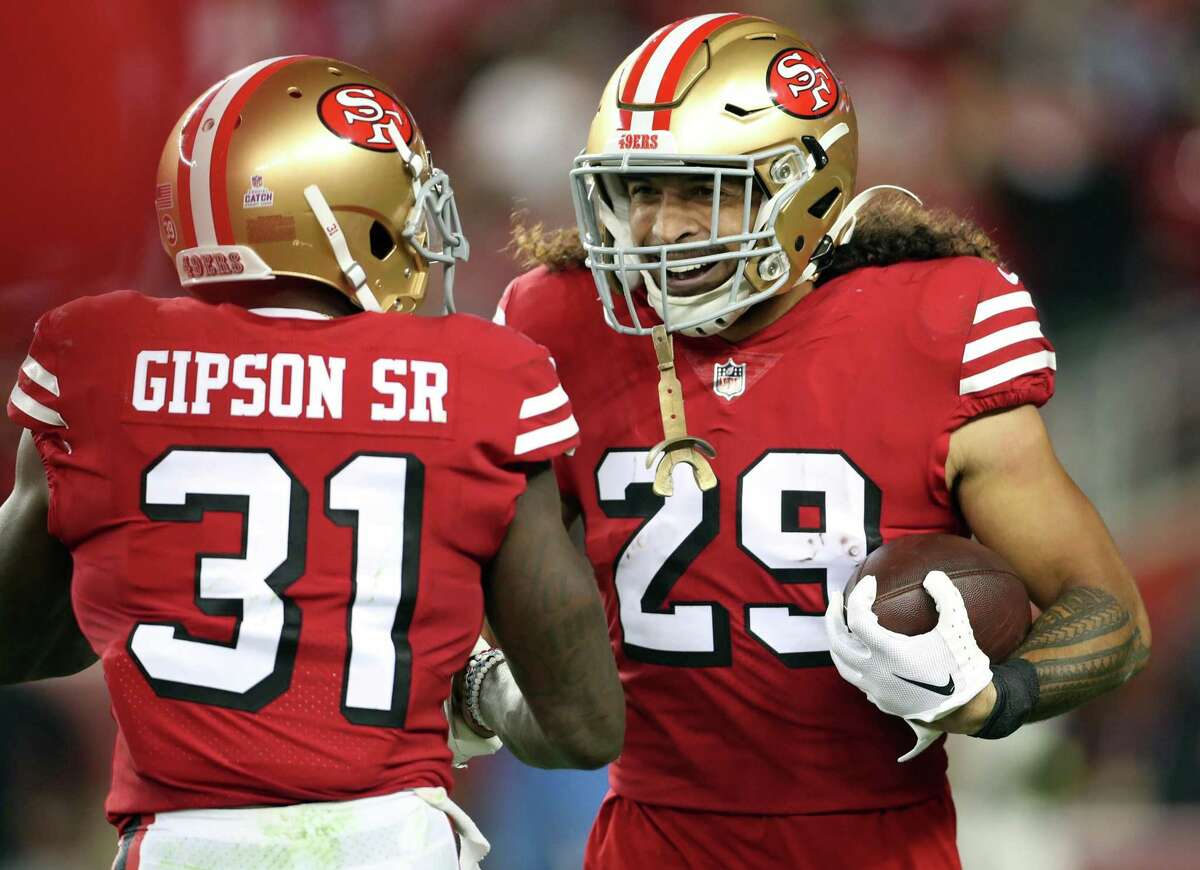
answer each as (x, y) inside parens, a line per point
(408, 830)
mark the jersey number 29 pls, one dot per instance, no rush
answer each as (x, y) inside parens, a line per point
(770, 496)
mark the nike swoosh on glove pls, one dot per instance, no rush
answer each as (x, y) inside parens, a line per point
(919, 678)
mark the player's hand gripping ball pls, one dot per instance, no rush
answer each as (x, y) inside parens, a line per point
(920, 624)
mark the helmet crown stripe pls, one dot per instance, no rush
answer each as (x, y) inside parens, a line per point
(222, 225)
(639, 66)
(186, 147)
(674, 70)
(656, 71)
(204, 195)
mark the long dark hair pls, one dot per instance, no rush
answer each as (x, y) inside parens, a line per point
(891, 228)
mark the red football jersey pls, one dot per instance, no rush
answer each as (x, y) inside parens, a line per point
(831, 428)
(278, 525)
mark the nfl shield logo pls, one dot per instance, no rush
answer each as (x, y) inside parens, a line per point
(729, 379)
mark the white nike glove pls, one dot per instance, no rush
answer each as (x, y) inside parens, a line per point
(464, 743)
(926, 737)
(919, 678)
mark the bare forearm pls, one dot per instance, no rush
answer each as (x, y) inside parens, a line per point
(574, 724)
(506, 711)
(1087, 643)
(1093, 634)
(544, 608)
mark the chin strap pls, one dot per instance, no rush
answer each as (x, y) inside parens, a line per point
(842, 230)
(677, 446)
(355, 274)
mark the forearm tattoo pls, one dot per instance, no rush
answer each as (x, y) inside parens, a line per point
(1082, 646)
(555, 635)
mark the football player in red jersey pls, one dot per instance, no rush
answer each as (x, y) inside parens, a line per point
(862, 373)
(280, 517)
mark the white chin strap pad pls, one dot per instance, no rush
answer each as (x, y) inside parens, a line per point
(689, 307)
(355, 274)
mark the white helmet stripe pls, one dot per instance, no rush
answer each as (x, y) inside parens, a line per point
(652, 75)
(646, 91)
(634, 74)
(206, 136)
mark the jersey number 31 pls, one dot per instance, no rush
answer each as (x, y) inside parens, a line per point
(378, 496)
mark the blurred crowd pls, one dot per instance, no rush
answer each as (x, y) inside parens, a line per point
(1069, 130)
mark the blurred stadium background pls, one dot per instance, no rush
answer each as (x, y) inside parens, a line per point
(1070, 130)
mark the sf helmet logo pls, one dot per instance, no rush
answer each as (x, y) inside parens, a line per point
(366, 116)
(801, 84)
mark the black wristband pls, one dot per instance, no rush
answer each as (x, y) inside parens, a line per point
(1017, 694)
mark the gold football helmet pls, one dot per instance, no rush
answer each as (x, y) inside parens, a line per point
(310, 167)
(723, 96)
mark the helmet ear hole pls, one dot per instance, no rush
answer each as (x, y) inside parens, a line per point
(799, 243)
(382, 243)
(821, 207)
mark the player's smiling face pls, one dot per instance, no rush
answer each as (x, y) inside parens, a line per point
(672, 209)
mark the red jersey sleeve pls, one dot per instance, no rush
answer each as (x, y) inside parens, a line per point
(544, 426)
(45, 399)
(36, 399)
(531, 416)
(546, 403)
(543, 323)
(1006, 360)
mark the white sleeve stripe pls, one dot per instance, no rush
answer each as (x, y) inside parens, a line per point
(39, 375)
(537, 405)
(500, 317)
(998, 305)
(1001, 338)
(35, 409)
(1043, 359)
(560, 431)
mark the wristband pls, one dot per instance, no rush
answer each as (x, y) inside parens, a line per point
(1017, 693)
(478, 667)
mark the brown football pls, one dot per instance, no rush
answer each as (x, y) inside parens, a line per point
(996, 600)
